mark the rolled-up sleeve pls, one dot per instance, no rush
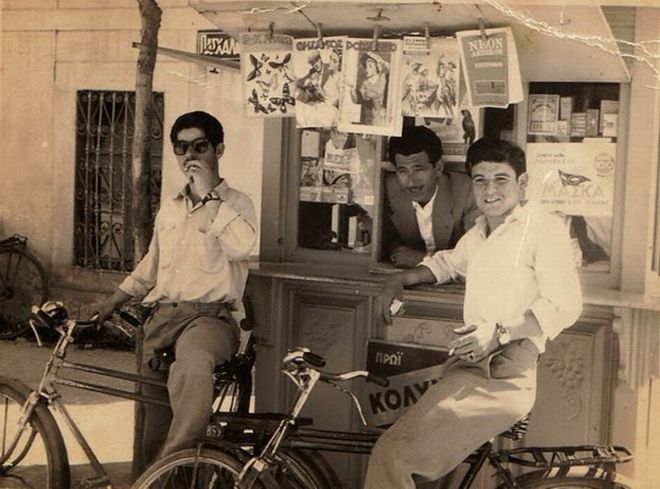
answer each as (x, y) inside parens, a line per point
(448, 265)
(235, 226)
(560, 303)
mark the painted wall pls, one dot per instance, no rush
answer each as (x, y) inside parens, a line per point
(52, 49)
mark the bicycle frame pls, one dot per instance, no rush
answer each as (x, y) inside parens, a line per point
(47, 392)
(266, 434)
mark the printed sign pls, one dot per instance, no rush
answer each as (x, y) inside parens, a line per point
(490, 66)
(217, 43)
(574, 178)
(411, 370)
(266, 73)
(370, 101)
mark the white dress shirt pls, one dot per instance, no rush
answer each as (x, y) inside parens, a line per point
(424, 215)
(185, 263)
(525, 264)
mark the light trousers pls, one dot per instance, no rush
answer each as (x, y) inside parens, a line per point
(471, 404)
(203, 336)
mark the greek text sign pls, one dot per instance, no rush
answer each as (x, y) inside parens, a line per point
(411, 370)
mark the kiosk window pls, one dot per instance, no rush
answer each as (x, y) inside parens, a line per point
(336, 190)
(572, 131)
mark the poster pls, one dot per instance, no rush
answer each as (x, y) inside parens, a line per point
(544, 113)
(370, 101)
(411, 370)
(490, 67)
(430, 77)
(267, 74)
(317, 80)
(456, 134)
(574, 178)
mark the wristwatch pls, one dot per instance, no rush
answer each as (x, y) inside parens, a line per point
(502, 334)
(212, 195)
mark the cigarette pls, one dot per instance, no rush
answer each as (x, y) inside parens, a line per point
(451, 351)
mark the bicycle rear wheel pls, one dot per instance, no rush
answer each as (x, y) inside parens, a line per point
(208, 469)
(23, 284)
(39, 458)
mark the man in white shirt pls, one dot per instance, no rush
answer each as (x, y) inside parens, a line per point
(521, 289)
(193, 276)
(427, 209)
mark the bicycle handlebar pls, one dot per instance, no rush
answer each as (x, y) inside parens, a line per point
(302, 356)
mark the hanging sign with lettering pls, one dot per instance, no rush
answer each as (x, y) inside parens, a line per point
(490, 67)
(218, 44)
(411, 370)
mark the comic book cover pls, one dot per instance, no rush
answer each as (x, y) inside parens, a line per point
(267, 74)
(317, 80)
(370, 102)
(430, 77)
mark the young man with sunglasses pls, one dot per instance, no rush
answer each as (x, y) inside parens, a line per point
(193, 277)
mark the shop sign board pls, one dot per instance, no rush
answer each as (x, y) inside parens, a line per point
(410, 368)
(217, 43)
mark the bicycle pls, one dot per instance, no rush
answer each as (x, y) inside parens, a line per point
(279, 450)
(23, 282)
(28, 429)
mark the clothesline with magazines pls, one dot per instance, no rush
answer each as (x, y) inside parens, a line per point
(367, 86)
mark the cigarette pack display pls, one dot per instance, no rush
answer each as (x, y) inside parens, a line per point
(565, 108)
(591, 128)
(578, 124)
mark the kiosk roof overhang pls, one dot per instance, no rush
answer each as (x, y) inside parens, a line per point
(543, 57)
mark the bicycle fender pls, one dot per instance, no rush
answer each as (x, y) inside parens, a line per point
(16, 385)
(227, 447)
(608, 478)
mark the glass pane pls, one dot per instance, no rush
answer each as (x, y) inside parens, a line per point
(337, 174)
(572, 161)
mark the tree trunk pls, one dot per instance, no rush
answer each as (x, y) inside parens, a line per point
(150, 15)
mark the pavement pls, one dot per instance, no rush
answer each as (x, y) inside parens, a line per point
(105, 421)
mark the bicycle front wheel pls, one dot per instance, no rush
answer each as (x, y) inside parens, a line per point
(22, 285)
(36, 458)
(208, 469)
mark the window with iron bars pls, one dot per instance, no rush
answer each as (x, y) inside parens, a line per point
(103, 236)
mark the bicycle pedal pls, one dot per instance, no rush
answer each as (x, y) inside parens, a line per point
(95, 482)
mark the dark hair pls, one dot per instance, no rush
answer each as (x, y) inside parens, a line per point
(201, 120)
(415, 139)
(498, 151)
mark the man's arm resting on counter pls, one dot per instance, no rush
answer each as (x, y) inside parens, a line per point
(393, 287)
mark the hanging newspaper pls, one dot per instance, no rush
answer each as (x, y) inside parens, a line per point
(430, 77)
(267, 74)
(317, 73)
(457, 133)
(574, 178)
(370, 101)
(490, 67)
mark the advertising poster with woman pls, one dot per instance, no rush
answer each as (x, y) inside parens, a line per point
(267, 74)
(430, 77)
(317, 73)
(370, 101)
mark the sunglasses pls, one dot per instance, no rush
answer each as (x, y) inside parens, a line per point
(199, 145)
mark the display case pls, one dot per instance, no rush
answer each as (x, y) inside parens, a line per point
(574, 162)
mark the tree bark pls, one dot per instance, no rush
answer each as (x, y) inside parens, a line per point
(150, 15)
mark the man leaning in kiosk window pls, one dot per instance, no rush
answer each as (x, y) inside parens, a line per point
(521, 290)
(193, 276)
(427, 209)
